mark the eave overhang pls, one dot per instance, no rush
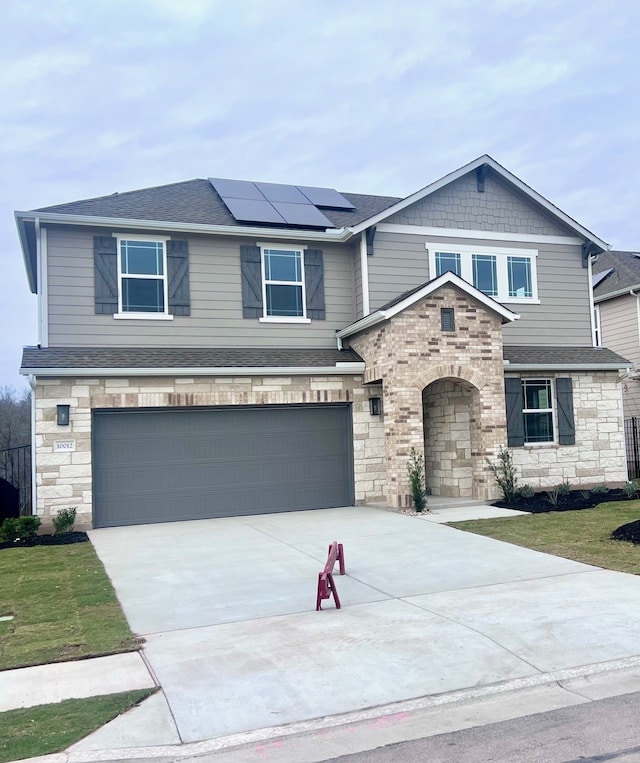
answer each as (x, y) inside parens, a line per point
(339, 369)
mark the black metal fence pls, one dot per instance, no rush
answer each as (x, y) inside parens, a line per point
(632, 440)
(15, 481)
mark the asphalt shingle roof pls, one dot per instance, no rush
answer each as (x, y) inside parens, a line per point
(195, 201)
(541, 356)
(625, 273)
(181, 357)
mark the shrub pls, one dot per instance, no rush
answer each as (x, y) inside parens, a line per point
(586, 494)
(415, 469)
(19, 528)
(631, 489)
(553, 495)
(504, 471)
(526, 491)
(564, 488)
(64, 520)
(600, 490)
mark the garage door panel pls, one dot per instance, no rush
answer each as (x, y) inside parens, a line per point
(164, 465)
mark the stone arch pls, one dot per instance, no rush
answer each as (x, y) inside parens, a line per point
(450, 371)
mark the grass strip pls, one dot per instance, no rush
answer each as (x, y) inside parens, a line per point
(583, 536)
(63, 606)
(44, 729)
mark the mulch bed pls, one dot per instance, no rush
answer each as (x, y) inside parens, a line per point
(629, 532)
(573, 501)
(47, 540)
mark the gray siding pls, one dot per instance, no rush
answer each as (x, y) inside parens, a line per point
(619, 332)
(216, 303)
(498, 208)
(563, 316)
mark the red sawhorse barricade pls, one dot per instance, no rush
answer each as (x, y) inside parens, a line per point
(326, 586)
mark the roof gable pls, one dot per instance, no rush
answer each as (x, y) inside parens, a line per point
(507, 177)
(409, 298)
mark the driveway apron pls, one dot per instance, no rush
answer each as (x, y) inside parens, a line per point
(227, 608)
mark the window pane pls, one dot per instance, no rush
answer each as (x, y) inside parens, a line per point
(141, 257)
(284, 300)
(537, 395)
(282, 265)
(484, 274)
(519, 276)
(538, 427)
(142, 295)
(447, 261)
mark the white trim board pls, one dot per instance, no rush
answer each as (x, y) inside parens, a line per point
(483, 235)
(354, 368)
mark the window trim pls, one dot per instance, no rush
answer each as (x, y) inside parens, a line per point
(130, 314)
(501, 254)
(265, 318)
(552, 410)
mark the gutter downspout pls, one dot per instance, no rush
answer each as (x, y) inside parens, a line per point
(34, 487)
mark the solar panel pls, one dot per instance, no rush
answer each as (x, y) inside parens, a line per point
(236, 189)
(254, 211)
(325, 197)
(302, 214)
(280, 192)
(599, 277)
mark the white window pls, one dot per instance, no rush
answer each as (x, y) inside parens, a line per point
(142, 276)
(283, 284)
(597, 333)
(538, 410)
(507, 275)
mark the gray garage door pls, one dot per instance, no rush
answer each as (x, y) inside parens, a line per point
(170, 464)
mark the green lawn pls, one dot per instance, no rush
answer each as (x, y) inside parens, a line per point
(579, 535)
(63, 604)
(34, 731)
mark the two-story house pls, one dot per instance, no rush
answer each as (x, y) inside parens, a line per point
(616, 294)
(217, 348)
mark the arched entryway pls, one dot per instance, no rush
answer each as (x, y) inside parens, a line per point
(452, 438)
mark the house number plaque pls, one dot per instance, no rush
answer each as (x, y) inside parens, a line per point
(60, 446)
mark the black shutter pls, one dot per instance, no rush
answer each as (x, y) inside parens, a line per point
(566, 425)
(178, 277)
(251, 268)
(105, 262)
(515, 417)
(314, 284)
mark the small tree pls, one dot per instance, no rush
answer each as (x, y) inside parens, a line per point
(504, 471)
(415, 469)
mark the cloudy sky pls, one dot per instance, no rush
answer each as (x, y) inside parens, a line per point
(367, 96)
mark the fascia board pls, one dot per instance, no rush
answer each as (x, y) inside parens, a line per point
(342, 368)
(498, 169)
(565, 366)
(628, 290)
(337, 234)
(31, 276)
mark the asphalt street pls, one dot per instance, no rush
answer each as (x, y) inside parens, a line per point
(600, 731)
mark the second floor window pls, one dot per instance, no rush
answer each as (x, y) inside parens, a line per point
(283, 283)
(508, 275)
(142, 276)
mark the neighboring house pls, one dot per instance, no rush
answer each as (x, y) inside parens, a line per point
(616, 296)
(214, 347)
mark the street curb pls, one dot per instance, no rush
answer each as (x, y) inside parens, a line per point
(191, 749)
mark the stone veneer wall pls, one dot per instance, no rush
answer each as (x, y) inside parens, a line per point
(64, 479)
(450, 434)
(599, 453)
(409, 352)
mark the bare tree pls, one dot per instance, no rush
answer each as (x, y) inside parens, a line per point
(15, 417)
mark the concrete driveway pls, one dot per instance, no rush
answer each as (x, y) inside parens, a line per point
(227, 610)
